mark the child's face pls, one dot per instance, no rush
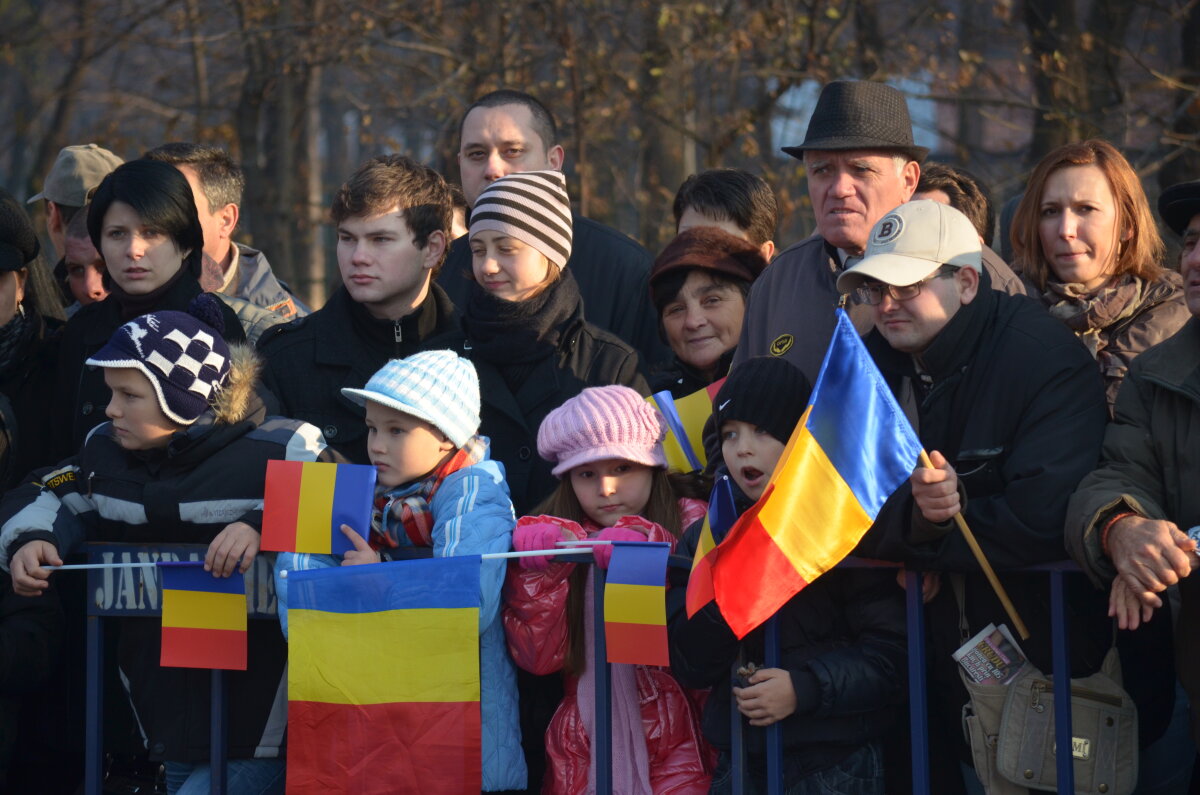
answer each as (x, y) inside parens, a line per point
(750, 453)
(612, 488)
(138, 420)
(402, 448)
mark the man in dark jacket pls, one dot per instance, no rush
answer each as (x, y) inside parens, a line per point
(229, 268)
(861, 162)
(393, 221)
(506, 132)
(1012, 411)
(1135, 521)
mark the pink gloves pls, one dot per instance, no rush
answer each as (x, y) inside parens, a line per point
(602, 553)
(541, 535)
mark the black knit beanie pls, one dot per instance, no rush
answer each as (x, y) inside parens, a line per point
(18, 242)
(765, 391)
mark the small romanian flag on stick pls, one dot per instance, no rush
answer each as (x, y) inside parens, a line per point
(203, 618)
(851, 449)
(307, 502)
(635, 604)
(383, 678)
(685, 418)
(722, 513)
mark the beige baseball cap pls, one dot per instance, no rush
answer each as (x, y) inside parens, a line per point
(911, 242)
(76, 173)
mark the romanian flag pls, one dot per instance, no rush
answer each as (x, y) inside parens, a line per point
(383, 678)
(685, 418)
(720, 517)
(307, 502)
(203, 618)
(852, 448)
(635, 604)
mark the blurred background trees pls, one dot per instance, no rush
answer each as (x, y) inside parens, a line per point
(646, 93)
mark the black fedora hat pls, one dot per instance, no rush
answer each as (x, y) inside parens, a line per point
(859, 114)
(1178, 204)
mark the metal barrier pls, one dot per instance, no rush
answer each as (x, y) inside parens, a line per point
(136, 592)
(131, 592)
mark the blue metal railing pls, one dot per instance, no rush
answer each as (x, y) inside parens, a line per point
(112, 598)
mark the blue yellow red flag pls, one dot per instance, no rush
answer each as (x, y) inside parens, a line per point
(203, 617)
(383, 678)
(307, 502)
(722, 513)
(635, 603)
(685, 418)
(852, 448)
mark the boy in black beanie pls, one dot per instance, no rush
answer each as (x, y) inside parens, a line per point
(842, 641)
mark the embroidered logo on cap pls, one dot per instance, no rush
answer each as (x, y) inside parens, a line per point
(888, 229)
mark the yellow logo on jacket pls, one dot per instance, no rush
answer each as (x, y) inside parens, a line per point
(782, 344)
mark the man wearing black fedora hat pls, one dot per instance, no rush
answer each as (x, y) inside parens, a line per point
(861, 162)
(1135, 521)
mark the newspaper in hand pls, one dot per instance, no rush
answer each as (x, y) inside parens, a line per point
(992, 657)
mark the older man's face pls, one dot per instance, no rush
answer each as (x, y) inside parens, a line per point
(1189, 265)
(851, 190)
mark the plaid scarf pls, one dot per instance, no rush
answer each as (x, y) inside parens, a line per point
(411, 504)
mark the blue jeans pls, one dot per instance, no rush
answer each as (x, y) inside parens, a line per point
(244, 776)
(860, 773)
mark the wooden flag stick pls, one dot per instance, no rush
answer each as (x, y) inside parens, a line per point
(983, 563)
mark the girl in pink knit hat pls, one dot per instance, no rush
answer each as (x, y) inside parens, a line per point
(606, 448)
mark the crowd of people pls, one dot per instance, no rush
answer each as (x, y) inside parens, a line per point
(496, 380)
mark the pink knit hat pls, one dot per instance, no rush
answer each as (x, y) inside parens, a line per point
(602, 422)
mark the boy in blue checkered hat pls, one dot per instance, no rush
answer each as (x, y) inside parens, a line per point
(438, 492)
(181, 460)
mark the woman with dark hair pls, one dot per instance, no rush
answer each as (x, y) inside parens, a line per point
(1084, 235)
(698, 285)
(30, 320)
(143, 221)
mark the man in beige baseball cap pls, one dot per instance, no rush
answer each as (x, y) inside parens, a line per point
(1011, 407)
(76, 173)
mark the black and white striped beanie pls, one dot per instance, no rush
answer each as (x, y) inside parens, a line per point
(531, 206)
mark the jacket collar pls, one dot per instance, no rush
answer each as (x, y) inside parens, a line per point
(345, 317)
(1175, 362)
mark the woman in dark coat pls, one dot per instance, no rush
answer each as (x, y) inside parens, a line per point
(525, 327)
(143, 221)
(30, 320)
(699, 285)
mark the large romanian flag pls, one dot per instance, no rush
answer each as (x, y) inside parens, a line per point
(383, 678)
(203, 618)
(307, 502)
(850, 451)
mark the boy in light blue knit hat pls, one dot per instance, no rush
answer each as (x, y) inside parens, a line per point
(438, 491)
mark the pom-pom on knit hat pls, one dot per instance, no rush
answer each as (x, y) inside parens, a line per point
(184, 357)
(599, 423)
(531, 206)
(439, 387)
(765, 391)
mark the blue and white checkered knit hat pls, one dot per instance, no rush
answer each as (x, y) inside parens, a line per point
(185, 359)
(439, 387)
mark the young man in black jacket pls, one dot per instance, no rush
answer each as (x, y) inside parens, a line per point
(393, 223)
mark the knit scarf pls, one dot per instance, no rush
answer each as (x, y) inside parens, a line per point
(132, 306)
(519, 332)
(14, 335)
(410, 504)
(1089, 314)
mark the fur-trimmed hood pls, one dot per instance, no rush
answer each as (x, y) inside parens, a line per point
(237, 398)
